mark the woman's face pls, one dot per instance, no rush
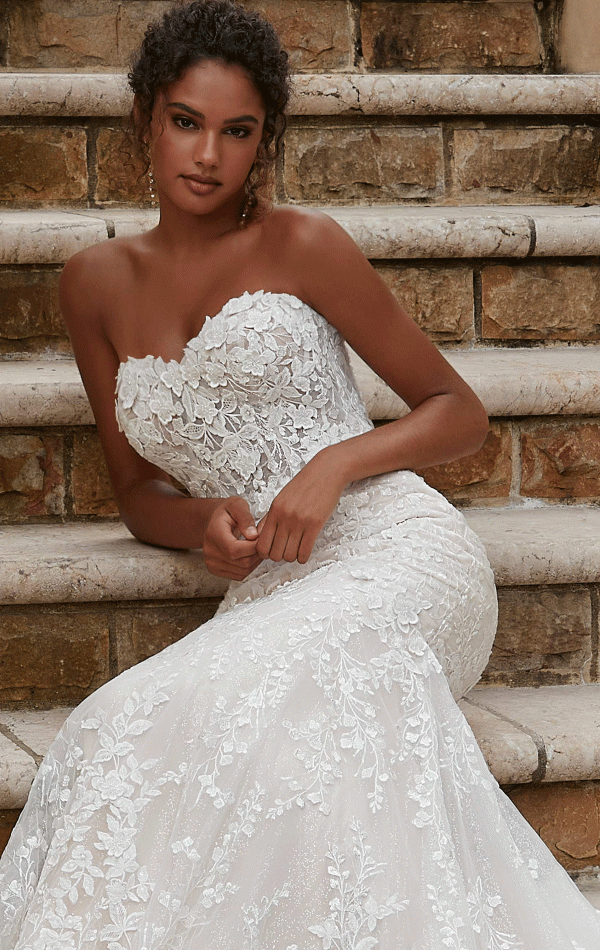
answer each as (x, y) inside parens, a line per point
(206, 128)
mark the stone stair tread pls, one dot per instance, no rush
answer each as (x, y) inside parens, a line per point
(382, 231)
(563, 720)
(83, 562)
(509, 381)
(106, 94)
(73, 563)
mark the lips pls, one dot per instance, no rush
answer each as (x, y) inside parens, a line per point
(202, 179)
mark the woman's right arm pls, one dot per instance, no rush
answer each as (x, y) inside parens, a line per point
(150, 506)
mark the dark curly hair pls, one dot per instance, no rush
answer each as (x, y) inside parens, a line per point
(191, 33)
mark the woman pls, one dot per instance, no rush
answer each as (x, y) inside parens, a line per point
(295, 774)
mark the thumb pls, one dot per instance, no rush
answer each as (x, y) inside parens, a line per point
(242, 516)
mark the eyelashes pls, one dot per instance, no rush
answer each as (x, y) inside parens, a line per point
(236, 131)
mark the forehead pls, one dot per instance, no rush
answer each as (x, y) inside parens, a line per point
(217, 87)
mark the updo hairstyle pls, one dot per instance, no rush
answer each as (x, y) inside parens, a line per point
(192, 33)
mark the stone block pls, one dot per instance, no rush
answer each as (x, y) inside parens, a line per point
(31, 476)
(8, 820)
(540, 301)
(486, 474)
(92, 490)
(316, 35)
(30, 320)
(144, 630)
(42, 165)
(544, 637)
(440, 299)
(68, 34)
(51, 655)
(337, 165)
(529, 164)
(561, 460)
(120, 174)
(451, 37)
(566, 815)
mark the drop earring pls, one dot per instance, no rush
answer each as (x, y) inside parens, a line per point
(152, 187)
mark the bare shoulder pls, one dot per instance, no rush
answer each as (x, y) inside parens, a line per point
(293, 228)
(93, 276)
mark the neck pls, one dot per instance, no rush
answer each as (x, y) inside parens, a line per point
(180, 231)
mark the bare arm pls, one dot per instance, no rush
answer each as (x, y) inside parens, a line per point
(446, 420)
(153, 510)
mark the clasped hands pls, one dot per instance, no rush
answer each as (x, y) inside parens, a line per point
(234, 544)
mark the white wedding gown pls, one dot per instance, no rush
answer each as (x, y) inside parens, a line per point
(295, 774)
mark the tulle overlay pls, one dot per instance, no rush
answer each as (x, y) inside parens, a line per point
(295, 774)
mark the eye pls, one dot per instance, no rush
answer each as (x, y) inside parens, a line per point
(238, 132)
(184, 122)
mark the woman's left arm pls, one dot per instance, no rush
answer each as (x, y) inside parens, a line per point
(446, 419)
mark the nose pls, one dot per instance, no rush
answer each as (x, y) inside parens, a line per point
(206, 151)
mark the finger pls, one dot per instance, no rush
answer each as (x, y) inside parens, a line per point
(239, 510)
(279, 543)
(291, 549)
(305, 548)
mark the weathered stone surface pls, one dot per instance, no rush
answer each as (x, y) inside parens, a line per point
(97, 94)
(46, 237)
(17, 772)
(543, 638)
(56, 34)
(49, 392)
(388, 232)
(143, 632)
(31, 476)
(79, 563)
(8, 819)
(547, 545)
(565, 721)
(451, 37)
(34, 728)
(317, 36)
(30, 320)
(440, 299)
(510, 753)
(101, 33)
(561, 460)
(118, 170)
(529, 164)
(92, 490)
(358, 164)
(41, 164)
(52, 655)
(486, 474)
(567, 818)
(539, 301)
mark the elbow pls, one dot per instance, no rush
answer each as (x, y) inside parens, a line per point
(479, 424)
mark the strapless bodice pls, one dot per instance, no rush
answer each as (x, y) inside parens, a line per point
(264, 385)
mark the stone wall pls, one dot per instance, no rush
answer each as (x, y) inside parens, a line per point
(492, 35)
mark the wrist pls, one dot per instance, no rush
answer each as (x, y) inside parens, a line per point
(336, 459)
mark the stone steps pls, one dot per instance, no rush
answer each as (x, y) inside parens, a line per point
(467, 139)
(540, 744)
(74, 94)
(102, 562)
(510, 382)
(82, 602)
(383, 232)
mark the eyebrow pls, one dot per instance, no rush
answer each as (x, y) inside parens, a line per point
(239, 118)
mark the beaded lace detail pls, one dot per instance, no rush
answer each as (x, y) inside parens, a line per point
(294, 774)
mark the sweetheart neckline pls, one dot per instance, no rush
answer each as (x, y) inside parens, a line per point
(209, 319)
